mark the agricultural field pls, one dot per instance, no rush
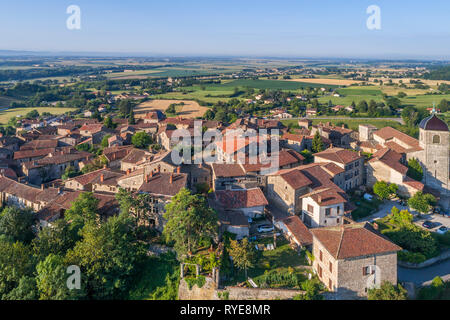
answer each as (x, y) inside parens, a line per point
(275, 84)
(326, 81)
(352, 123)
(190, 109)
(415, 97)
(5, 115)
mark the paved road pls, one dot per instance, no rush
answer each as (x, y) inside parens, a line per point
(419, 276)
(385, 209)
(399, 120)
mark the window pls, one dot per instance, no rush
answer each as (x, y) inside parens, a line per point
(368, 270)
(320, 272)
(331, 267)
(436, 139)
(320, 255)
(327, 211)
(338, 209)
(357, 164)
(310, 208)
(330, 284)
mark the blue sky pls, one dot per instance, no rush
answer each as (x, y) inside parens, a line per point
(291, 28)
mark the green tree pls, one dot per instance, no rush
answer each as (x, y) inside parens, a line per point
(384, 190)
(415, 170)
(242, 254)
(51, 280)
(105, 142)
(69, 172)
(317, 143)
(15, 262)
(125, 106)
(56, 239)
(387, 291)
(109, 256)
(401, 217)
(312, 288)
(422, 202)
(83, 211)
(141, 140)
(25, 290)
(17, 224)
(108, 123)
(131, 119)
(189, 219)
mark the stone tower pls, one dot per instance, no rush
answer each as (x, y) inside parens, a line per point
(435, 157)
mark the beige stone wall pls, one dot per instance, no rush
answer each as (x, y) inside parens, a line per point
(350, 272)
(105, 188)
(131, 183)
(324, 264)
(75, 185)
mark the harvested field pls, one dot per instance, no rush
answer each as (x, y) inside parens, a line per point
(326, 81)
(190, 109)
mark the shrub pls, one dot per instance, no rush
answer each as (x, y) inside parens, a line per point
(387, 291)
(412, 257)
(438, 290)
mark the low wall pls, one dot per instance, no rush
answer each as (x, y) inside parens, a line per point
(443, 256)
(209, 292)
(238, 293)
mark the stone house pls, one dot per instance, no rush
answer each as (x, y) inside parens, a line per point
(251, 202)
(352, 258)
(352, 162)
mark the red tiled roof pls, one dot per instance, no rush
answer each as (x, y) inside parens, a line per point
(388, 133)
(326, 196)
(353, 240)
(242, 198)
(226, 170)
(32, 153)
(298, 229)
(391, 159)
(160, 184)
(339, 155)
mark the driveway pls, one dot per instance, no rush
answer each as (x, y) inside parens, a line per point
(385, 209)
(438, 219)
(419, 276)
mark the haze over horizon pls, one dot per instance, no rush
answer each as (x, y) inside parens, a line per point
(286, 28)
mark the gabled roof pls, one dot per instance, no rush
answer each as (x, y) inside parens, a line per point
(391, 159)
(388, 133)
(338, 155)
(242, 198)
(166, 184)
(353, 240)
(227, 170)
(298, 229)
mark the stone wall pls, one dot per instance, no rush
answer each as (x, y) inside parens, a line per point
(209, 292)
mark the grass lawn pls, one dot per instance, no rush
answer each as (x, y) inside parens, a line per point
(5, 115)
(278, 259)
(364, 208)
(275, 84)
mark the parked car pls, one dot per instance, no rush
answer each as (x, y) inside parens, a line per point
(250, 220)
(265, 228)
(442, 230)
(428, 224)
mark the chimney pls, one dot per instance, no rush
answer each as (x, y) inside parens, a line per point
(375, 225)
(319, 198)
(171, 178)
(128, 172)
(331, 145)
(102, 177)
(42, 186)
(359, 153)
(104, 166)
(178, 169)
(200, 165)
(146, 178)
(151, 173)
(343, 126)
